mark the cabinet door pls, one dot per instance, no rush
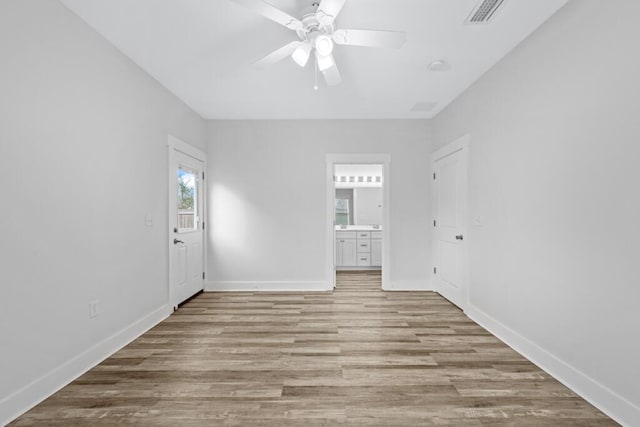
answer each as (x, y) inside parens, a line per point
(376, 253)
(338, 253)
(349, 251)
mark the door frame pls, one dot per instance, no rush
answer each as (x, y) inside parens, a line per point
(462, 144)
(174, 144)
(354, 159)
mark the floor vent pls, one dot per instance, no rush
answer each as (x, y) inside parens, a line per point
(483, 12)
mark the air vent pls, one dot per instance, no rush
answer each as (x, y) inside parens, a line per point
(483, 12)
(424, 106)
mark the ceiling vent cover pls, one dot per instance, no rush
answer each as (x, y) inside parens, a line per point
(483, 12)
(423, 106)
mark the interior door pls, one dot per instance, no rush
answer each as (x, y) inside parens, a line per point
(187, 236)
(450, 180)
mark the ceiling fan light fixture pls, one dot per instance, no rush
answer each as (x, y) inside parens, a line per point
(317, 35)
(324, 45)
(301, 54)
(324, 62)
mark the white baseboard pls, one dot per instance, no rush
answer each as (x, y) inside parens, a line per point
(603, 398)
(241, 286)
(30, 395)
(263, 286)
(409, 285)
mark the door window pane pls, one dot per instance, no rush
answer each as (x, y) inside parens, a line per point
(187, 199)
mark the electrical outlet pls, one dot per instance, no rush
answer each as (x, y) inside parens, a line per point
(93, 309)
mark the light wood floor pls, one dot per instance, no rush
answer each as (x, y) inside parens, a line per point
(357, 356)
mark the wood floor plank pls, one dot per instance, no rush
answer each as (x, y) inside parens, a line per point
(356, 356)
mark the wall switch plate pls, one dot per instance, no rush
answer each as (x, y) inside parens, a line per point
(477, 221)
(148, 220)
(93, 309)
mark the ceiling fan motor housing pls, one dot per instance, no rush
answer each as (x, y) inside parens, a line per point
(312, 25)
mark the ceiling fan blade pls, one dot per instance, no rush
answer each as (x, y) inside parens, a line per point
(328, 10)
(332, 75)
(277, 55)
(370, 38)
(272, 13)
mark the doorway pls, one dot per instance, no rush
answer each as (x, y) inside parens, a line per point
(186, 221)
(450, 221)
(358, 215)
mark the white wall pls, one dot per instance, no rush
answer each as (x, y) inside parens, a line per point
(554, 177)
(267, 198)
(83, 134)
(368, 206)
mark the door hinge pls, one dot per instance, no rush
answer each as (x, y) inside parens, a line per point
(434, 175)
(435, 270)
(202, 175)
(203, 225)
(203, 275)
(434, 222)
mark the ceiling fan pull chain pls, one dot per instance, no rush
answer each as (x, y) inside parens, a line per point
(315, 86)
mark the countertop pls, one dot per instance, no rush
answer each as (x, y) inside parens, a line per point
(359, 228)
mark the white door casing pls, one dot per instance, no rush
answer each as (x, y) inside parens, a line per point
(186, 221)
(450, 221)
(361, 158)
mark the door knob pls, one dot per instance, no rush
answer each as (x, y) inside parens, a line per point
(459, 237)
(176, 241)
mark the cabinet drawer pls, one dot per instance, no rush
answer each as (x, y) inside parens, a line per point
(364, 245)
(364, 260)
(364, 234)
(346, 234)
(376, 235)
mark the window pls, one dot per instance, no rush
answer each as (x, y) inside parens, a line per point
(187, 199)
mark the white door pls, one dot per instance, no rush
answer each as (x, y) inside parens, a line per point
(450, 190)
(186, 221)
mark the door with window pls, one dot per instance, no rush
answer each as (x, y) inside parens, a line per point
(186, 220)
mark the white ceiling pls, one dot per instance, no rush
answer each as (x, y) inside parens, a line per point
(202, 51)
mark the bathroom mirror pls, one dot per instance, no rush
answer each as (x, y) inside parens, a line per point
(358, 195)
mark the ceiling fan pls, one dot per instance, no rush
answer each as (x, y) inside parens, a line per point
(317, 34)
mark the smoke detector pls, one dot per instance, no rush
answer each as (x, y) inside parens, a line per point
(439, 66)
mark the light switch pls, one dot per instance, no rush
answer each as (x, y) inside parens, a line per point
(148, 220)
(477, 221)
(93, 309)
